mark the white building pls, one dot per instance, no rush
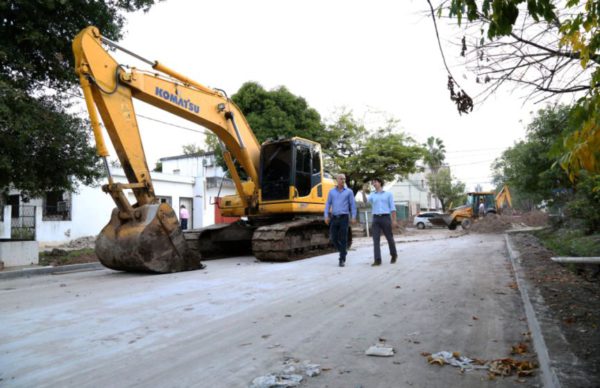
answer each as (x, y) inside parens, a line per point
(193, 181)
(414, 192)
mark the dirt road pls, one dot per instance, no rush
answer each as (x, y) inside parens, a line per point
(240, 319)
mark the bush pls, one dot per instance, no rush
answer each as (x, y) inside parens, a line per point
(586, 204)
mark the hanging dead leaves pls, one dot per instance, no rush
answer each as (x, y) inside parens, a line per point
(463, 102)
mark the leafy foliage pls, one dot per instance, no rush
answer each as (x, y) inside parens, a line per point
(362, 155)
(44, 147)
(435, 153)
(277, 113)
(348, 146)
(529, 167)
(586, 204)
(441, 186)
(549, 51)
(193, 149)
(36, 36)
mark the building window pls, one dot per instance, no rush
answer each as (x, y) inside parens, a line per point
(164, 199)
(57, 206)
(14, 202)
(2, 204)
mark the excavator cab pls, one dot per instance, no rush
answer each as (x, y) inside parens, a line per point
(282, 201)
(289, 169)
(488, 198)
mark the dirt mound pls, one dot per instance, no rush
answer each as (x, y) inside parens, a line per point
(534, 218)
(492, 223)
(80, 243)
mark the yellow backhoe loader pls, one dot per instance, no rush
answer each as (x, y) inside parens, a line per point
(282, 202)
(464, 215)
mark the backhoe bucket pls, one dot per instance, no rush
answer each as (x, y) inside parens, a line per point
(152, 241)
(441, 220)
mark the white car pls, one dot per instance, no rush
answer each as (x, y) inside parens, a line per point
(422, 220)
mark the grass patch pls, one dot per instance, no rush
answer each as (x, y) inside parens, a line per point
(63, 257)
(570, 242)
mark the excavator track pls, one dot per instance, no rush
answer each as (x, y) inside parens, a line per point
(292, 240)
(280, 242)
(220, 240)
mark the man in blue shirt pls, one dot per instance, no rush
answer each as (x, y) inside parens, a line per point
(384, 217)
(340, 206)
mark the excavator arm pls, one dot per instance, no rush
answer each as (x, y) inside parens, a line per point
(146, 236)
(503, 197)
(110, 88)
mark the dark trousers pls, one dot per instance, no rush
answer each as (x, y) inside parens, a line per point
(383, 224)
(184, 223)
(338, 233)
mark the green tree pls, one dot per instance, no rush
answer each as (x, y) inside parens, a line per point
(529, 167)
(363, 155)
(277, 113)
(440, 184)
(435, 153)
(550, 48)
(193, 149)
(586, 202)
(43, 146)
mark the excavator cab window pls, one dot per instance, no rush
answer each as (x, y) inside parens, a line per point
(276, 169)
(303, 170)
(316, 171)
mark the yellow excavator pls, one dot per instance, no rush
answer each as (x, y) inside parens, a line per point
(282, 202)
(464, 215)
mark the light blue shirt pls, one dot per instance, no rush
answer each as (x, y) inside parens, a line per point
(382, 202)
(340, 202)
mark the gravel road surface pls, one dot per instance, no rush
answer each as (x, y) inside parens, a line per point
(240, 319)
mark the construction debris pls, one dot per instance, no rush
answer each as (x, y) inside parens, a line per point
(276, 381)
(454, 359)
(494, 223)
(380, 350)
(508, 367)
(289, 375)
(499, 367)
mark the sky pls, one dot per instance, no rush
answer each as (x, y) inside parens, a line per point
(379, 59)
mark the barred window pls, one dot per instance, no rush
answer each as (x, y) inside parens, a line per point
(57, 206)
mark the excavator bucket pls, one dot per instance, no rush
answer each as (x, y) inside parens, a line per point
(151, 241)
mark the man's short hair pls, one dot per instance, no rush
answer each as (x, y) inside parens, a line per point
(340, 175)
(378, 180)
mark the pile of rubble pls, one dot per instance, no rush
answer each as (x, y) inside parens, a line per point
(492, 223)
(534, 218)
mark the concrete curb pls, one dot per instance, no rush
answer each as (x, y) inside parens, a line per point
(548, 377)
(25, 273)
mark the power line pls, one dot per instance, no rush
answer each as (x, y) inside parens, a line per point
(157, 120)
(466, 164)
(476, 150)
(173, 125)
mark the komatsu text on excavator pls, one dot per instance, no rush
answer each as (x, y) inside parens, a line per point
(282, 201)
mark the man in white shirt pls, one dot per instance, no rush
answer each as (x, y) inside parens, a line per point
(384, 217)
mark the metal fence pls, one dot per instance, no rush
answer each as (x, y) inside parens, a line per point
(23, 226)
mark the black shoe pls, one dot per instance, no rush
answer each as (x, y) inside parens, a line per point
(202, 266)
(376, 264)
(393, 261)
(342, 263)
